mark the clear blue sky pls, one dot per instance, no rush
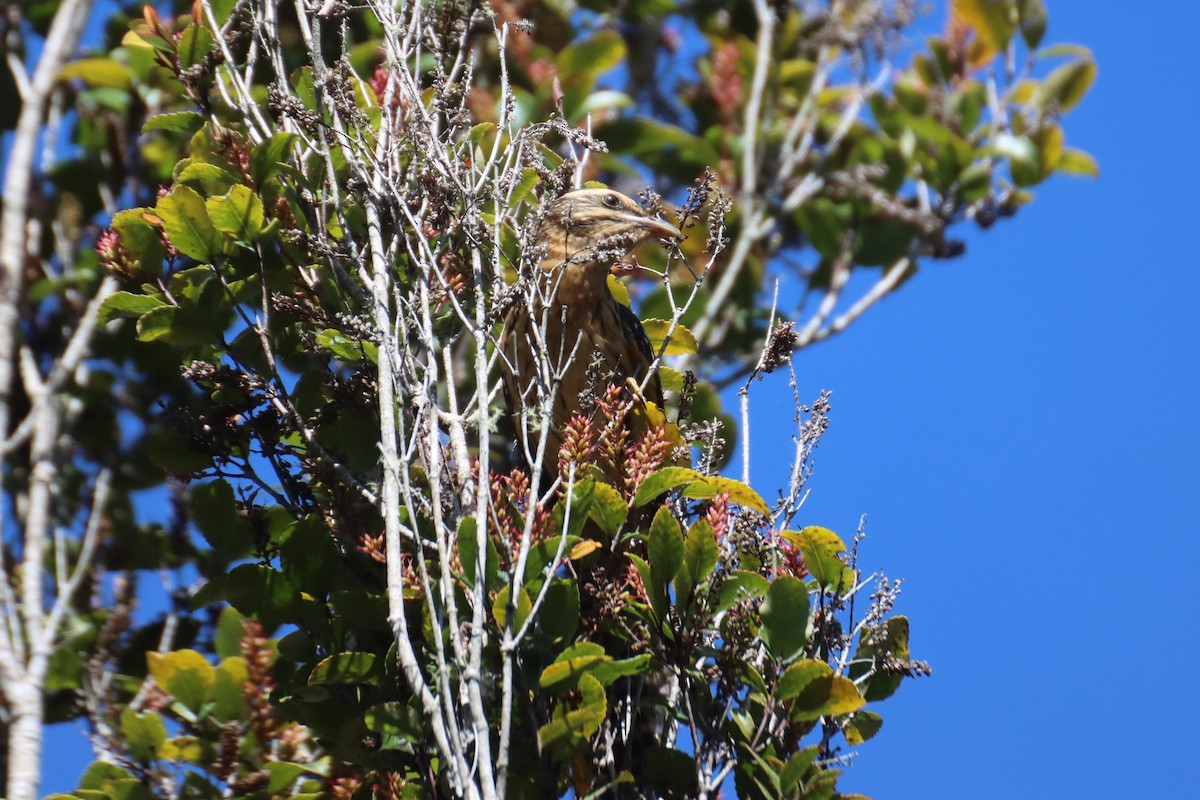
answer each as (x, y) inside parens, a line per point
(1020, 426)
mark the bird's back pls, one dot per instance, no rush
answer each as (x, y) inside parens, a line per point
(589, 347)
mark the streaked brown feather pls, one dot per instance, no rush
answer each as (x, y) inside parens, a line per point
(583, 233)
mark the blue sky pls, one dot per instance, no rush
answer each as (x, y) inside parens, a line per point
(1020, 426)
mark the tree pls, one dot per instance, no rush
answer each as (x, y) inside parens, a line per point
(347, 204)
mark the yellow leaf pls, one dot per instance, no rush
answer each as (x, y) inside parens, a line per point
(994, 21)
(1024, 92)
(740, 493)
(619, 292)
(99, 72)
(583, 549)
(186, 749)
(1077, 162)
(682, 340)
(131, 39)
(184, 674)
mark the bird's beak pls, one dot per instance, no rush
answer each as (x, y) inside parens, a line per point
(658, 228)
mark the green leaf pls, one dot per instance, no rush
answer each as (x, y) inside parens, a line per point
(672, 379)
(307, 553)
(578, 725)
(529, 179)
(682, 341)
(1047, 142)
(185, 327)
(344, 668)
(187, 121)
(589, 658)
(1033, 21)
(760, 769)
(468, 553)
(795, 768)
(892, 640)
(101, 774)
(1066, 85)
(605, 505)
(1077, 162)
(785, 617)
(740, 585)
(666, 546)
(673, 772)
(826, 696)
(699, 557)
(564, 674)
(139, 237)
(799, 675)
(593, 56)
(229, 633)
(185, 675)
(238, 214)
(216, 516)
(669, 149)
(542, 554)
(579, 649)
(975, 181)
(267, 157)
(603, 100)
(126, 305)
(664, 480)
(559, 616)
(228, 700)
(1062, 50)
(578, 505)
(394, 719)
(186, 223)
(500, 608)
(656, 587)
(105, 73)
(283, 775)
(176, 452)
(861, 727)
(255, 590)
(143, 734)
(207, 174)
(881, 242)
(608, 671)
(367, 609)
(820, 547)
(825, 223)
(478, 132)
(194, 44)
(352, 351)
(221, 9)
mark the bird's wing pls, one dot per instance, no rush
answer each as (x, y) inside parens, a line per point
(633, 326)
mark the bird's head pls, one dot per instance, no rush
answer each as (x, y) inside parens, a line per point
(596, 226)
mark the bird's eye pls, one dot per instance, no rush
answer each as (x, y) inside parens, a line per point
(611, 200)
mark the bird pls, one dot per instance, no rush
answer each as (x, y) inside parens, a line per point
(587, 336)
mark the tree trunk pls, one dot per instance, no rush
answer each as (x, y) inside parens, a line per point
(24, 742)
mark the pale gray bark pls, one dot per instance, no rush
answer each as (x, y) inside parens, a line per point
(29, 620)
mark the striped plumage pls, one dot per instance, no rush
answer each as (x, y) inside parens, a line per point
(583, 234)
